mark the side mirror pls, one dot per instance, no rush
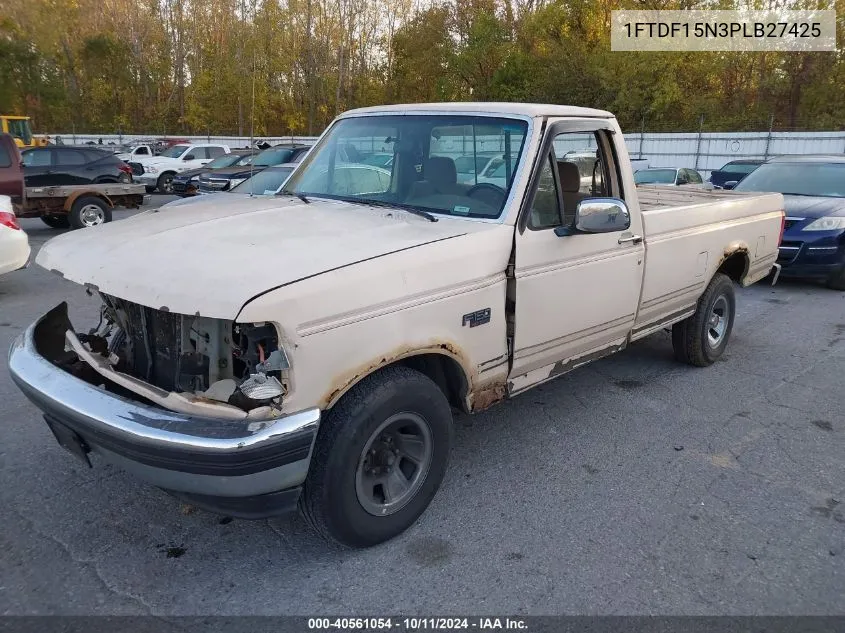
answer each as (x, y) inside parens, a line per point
(730, 184)
(189, 157)
(598, 215)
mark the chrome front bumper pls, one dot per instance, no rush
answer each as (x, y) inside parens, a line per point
(219, 462)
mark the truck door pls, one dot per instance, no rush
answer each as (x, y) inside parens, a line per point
(576, 293)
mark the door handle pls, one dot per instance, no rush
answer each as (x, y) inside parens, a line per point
(634, 239)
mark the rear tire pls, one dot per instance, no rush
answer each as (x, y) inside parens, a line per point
(165, 183)
(89, 211)
(701, 339)
(393, 427)
(837, 280)
(56, 221)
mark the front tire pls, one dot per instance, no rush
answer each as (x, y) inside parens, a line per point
(380, 456)
(165, 183)
(701, 339)
(89, 211)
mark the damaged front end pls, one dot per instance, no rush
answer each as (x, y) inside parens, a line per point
(189, 364)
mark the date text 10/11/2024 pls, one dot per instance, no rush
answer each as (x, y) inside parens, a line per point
(756, 30)
(417, 624)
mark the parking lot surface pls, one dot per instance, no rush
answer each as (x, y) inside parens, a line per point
(634, 485)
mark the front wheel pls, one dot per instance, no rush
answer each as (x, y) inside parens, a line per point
(89, 211)
(702, 338)
(380, 456)
(165, 183)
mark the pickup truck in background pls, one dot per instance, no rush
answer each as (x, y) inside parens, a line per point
(157, 172)
(312, 346)
(61, 206)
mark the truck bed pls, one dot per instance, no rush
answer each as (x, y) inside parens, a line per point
(65, 191)
(689, 233)
(654, 197)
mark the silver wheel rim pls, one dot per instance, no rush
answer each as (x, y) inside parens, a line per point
(394, 463)
(167, 181)
(91, 215)
(717, 322)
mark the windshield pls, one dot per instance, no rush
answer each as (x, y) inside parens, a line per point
(423, 173)
(739, 168)
(265, 182)
(272, 156)
(226, 160)
(655, 176)
(174, 152)
(802, 179)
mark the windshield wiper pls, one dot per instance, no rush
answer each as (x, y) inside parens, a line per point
(301, 196)
(398, 205)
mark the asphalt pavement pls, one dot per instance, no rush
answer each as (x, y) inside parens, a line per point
(634, 485)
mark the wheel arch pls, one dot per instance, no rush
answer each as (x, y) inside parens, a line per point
(85, 193)
(735, 262)
(443, 364)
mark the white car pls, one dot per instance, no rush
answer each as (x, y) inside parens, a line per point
(14, 244)
(159, 170)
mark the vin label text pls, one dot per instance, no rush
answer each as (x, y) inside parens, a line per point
(776, 30)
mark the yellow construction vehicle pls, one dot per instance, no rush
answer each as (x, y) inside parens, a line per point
(19, 128)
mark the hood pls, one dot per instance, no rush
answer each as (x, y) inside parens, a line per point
(234, 172)
(214, 257)
(813, 206)
(192, 173)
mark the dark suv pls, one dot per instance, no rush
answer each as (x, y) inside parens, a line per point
(62, 165)
(225, 179)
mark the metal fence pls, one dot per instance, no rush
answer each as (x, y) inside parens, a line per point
(704, 151)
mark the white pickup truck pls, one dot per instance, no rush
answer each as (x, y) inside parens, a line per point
(158, 171)
(309, 348)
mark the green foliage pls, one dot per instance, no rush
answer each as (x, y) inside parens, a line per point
(198, 66)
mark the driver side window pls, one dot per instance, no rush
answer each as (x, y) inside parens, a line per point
(576, 170)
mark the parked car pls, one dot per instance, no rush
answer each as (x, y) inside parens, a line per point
(187, 183)
(309, 348)
(266, 182)
(729, 174)
(813, 188)
(158, 171)
(378, 160)
(14, 243)
(225, 179)
(469, 167)
(63, 165)
(668, 176)
(11, 169)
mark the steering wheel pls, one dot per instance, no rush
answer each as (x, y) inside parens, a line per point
(490, 194)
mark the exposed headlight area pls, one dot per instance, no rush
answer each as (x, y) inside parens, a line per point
(827, 223)
(200, 358)
(149, 169)
(234, 182)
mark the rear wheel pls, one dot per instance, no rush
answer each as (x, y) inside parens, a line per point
(165, 183)
(89, 211)
(380, 456)
(702, 338)
(56, 221)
